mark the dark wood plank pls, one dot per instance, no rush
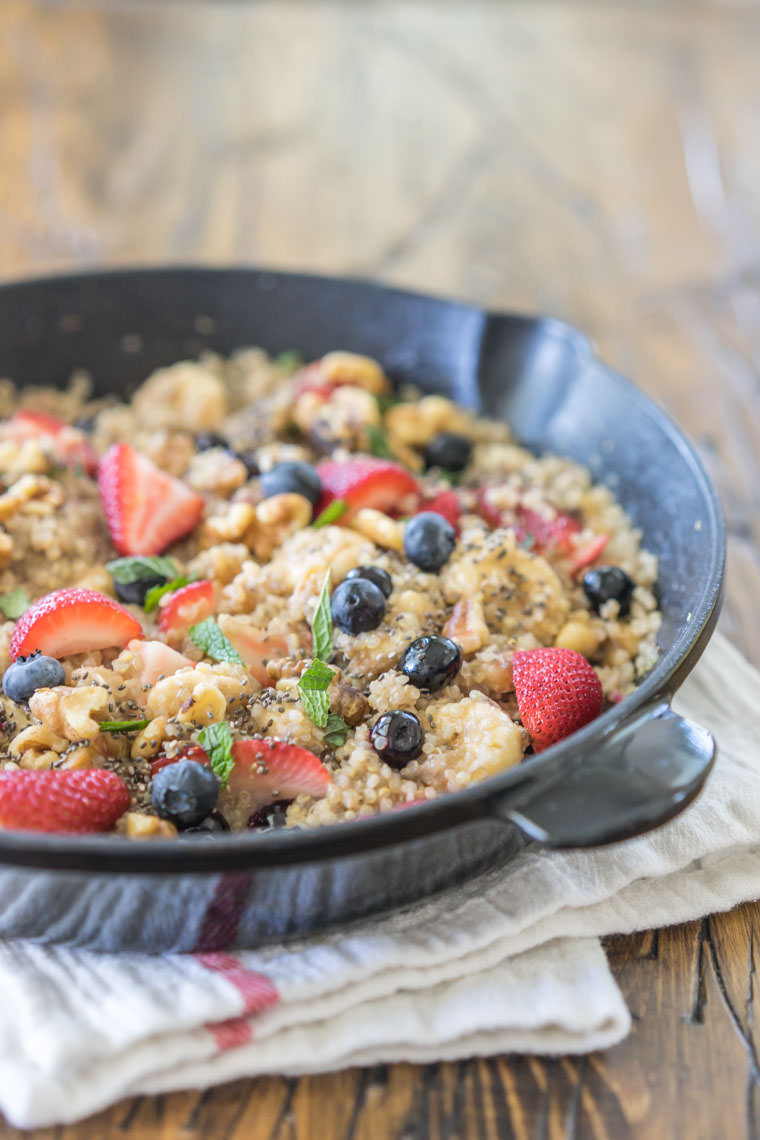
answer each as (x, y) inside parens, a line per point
(595, 160)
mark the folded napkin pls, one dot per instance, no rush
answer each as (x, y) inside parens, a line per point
(509, 962)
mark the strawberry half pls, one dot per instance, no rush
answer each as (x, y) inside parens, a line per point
(589, 553)
(156, 659)
(186, 606)
(365, 482)
(76, 801)
(68, 444)
(146, 509)
(275, 770)
(446, 504)
(72, 621)
(557, 693)
(548, 534)
(192, 752)
(254, 646)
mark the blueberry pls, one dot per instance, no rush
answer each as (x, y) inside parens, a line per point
(449, 450)
(607, 583)
(214, 824)
(397, 737)
(292, 477)
(205, 440)
(185, 792)
(431, 662)
(135, 592)
(28, 674)
(376, 574)
(358, 605)
(429, 540)
(273, 815)
(250, 460)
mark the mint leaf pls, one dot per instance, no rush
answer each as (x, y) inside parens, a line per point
(332, 512)
(378, 442)
(336, 730)
(156, 593)
(128, 570)
(317, 677)
(208, 636)
(386, 402)
(528, 542)
(313, 686)
(322, 625)
(14, 604)
(317, 706)
(123, 725)
(216, 740)
(290, 360)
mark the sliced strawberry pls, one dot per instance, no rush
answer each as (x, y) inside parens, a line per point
(56, 800)
(72, 621)
(490, 513)
(157, 659)
(365, 482)
(69, 445)
(186, 606)
(254, 646)
(146, 509)
(193, 752)
(271, 770)
(447, 504)
(557, 693)
(588, 553)
(555, 534)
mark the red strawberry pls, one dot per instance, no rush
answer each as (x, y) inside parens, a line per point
(548, 534)
(157, 659)
(186, 606)
(589, 553)
(146, 509)
(275, 770)
(557, 693)
(491, 514)
(57, 800)
(447, 504)
(365, 482)
(193, 752)
(72, 621)
(254, 646)
(69, 444)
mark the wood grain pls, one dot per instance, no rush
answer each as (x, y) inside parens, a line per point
(597, 160)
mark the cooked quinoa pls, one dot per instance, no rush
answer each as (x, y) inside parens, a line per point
(529, 530)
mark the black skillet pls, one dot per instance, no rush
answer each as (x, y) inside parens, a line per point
(635, 767)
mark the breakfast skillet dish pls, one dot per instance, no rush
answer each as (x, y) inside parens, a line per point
(266, 594)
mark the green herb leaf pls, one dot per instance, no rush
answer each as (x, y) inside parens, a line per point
(317, 677)
(290, 360)
(332, 512)
(14, 604)
(453, 478)
(208, 636)
(156, 593)
(317, 706)
(336, 731)
(216, 740)
(322, 625)
(128, 570)
(123, 725)
(528, 542)
(386, 402)
(378, 442)
(313, 687)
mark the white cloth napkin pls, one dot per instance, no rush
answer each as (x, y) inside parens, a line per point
(510, 962)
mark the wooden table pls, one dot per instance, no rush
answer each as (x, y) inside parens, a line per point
(599, 161)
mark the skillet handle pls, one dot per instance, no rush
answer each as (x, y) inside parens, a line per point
(642, 775)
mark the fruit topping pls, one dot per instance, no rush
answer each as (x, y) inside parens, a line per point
(185, 607)
(365, 482)
(146, 509)
(557, 693)
(292, 478)
(397, 737)
(431, 662)
(270, 770)
(81, 801)
(606, 584)
(72, 621)
(26, 675)
(449, 451)
(429, 540)
(185, 792)
(358, 605)
(66, 444)
(376, 574)
(446, 504)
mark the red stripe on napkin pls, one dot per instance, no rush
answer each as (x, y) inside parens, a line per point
(257, 991)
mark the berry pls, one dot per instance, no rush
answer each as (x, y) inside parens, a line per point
(608, 583)
(193, 752)
(134, 592)
(155, 659)
(447, 504)
(250, 460)
(449, 450)
(26, 675)
(256, 647)
(557, 693)
(186, 606)
(555, 534)
(213, 824)
(272, 815)
(431, 662)
(72, 621)
(185, 792)
(358, 605)
(146, 509)
(429, 540)
(588, 553)
(365, 482)
(397, 737)
(376, 574)
(82, 801)
(66, 444)
(292, 477)
(270, 770)
(205, 440)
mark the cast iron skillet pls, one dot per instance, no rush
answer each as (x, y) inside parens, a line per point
(632, 769)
